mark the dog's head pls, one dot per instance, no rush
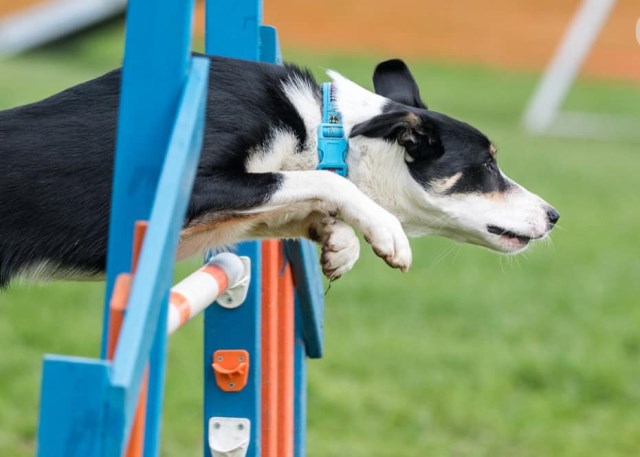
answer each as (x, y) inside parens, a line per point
(439, 175)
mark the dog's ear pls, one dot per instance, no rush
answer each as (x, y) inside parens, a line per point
(418, 136)
(393, 80)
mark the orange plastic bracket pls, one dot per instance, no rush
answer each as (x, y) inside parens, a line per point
(231, 367)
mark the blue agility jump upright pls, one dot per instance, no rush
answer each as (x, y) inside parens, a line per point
(112, 406)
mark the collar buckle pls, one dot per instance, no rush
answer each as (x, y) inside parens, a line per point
(332, 143)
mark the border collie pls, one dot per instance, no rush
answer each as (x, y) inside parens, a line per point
(412, 171)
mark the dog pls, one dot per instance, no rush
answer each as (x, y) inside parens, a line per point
(411, 171)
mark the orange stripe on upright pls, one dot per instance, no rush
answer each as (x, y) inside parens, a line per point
(218, 274)
(135, 448)
(286, 339)
(269, 356)
(181, 303)
(117, 305)
(139, 231)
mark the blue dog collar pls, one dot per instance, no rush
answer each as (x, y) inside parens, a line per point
(332, 144)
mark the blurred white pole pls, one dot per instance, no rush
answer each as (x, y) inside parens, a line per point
(566, 63)
(50, 20)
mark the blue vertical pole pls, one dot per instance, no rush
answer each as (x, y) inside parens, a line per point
(238, 328)
(156, 63)
(160, 133)
(157, 53)
(155, 393)
(309, 328)
(145, 324)
(300, 389)
(233, 30)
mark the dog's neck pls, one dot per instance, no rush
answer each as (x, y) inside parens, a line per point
(375, 166)
(355, 103)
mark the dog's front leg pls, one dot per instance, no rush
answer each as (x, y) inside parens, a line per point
(330, 194)
(338, 242)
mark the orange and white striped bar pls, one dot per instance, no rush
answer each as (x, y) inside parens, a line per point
(225, 278)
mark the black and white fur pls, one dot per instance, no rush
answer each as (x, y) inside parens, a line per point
(411, 170)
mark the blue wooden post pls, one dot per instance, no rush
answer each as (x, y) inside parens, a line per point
(146, 314)
(87, 406)
(157, 53)
(238, 328)
(151, 89)
(309, 328)
(233, 30)
(242, 20)
(309, 295)
(300, 389)
(72, 407)
(155, 392)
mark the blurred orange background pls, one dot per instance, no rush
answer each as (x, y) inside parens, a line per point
(518, 34)
(506, 33)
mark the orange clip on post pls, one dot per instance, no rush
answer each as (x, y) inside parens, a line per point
(231, 368)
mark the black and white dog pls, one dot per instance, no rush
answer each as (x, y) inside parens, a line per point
(411, 170)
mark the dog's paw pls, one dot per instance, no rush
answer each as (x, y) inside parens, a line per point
(340, 248)
(384, 233)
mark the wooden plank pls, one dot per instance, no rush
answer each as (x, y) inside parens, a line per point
(74, 398)
(270, 382)
(286, 365)
(151, 286)
(306, 273)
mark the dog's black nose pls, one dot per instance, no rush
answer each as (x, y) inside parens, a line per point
(552, 216)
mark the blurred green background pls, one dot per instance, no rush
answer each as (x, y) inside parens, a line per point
(468, 354)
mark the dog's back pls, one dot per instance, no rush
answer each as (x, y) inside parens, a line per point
(56, 160)
(56, 166)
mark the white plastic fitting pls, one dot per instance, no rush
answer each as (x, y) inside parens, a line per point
(229, 436)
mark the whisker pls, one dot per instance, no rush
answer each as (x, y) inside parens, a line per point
(441, 256)
(458, 249)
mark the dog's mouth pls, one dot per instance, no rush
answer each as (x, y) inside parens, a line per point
(516, 240)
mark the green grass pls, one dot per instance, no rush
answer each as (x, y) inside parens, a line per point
(469, 354)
